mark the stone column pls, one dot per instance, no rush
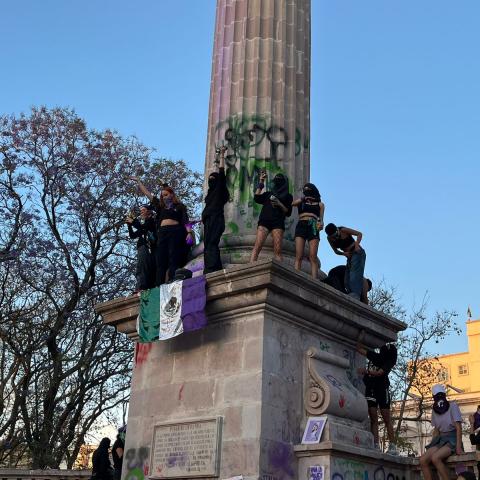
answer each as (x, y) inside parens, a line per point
(259, 107)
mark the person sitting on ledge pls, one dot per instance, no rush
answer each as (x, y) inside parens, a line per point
(310, 222)
(375, 378)
(467, 475)
(277, 204)
(342, 242)
(213, 217)
(446, 437)
(336, 279)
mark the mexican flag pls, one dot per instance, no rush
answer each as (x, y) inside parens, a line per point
(171, 309)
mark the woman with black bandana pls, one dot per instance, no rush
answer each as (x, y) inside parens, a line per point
(310, 222)
(213, 216)
(277, 204)
(446, 437)
(173, 231)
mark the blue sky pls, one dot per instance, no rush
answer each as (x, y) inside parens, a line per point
(395, 109)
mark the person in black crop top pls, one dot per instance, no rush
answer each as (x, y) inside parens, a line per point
(342, 242)
(213, 217)
(173, 232)
(143, 228)
(277, 204)
(310, 222)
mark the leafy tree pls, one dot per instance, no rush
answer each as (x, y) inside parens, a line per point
(417, 366)
(64, 192)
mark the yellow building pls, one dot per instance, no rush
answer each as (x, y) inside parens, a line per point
(460, 373)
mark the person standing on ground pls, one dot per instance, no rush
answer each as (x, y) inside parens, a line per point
(277, 205)
(102, 468)
(310, 223)
(144, 230)
(342, 242)
(173, 231)
(375, 378)
(117, 453)
(213, 217)
(446, 436)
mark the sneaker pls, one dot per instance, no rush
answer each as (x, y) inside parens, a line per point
(392, 449)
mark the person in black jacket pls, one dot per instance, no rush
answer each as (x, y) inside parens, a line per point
(144, 230)
(375, 378)
(277, 204)
(102, 468)
(117, 452)
(213, 216)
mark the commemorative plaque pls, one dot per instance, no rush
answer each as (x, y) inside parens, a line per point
(186, 449)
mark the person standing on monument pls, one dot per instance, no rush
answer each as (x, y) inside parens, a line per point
(173, 231)
(117, 452)
(213, 217)
(101, 466)
(144, 230)
(277, 205)
(310, 222)
(375, 378)
(342, 242)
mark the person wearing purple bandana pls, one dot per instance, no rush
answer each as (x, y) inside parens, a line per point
(446, 436)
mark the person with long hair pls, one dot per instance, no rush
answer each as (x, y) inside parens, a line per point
(377, 392)
(277, 205)
(101, 466)
(173, 231)
(310, 223)
(446, 436)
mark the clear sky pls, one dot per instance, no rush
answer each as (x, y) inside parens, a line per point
(395, 131)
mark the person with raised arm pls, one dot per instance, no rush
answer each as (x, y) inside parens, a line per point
(173, 231)
(213, 217)
(277, 205)
(342, 242)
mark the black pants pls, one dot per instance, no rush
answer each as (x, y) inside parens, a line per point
(170, 251)
(213, 228)
(145, 271)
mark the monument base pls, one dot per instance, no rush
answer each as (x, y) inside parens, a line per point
(234, 398)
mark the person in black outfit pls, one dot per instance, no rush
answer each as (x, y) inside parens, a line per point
(173, 232)
(213, 216)
(310, 222)
(375, 378)
(102, 468)
(336, 279)
(277, 205)
(144, 230)
(117, 453)
(342, 242)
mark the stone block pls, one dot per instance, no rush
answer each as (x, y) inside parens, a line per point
(232, 423)
(243, 388)
(224, 358)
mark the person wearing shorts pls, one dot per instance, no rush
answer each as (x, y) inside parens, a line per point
(375, 378)
(277, 205)
(310, 222)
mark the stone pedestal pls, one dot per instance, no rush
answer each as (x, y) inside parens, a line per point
(278, 348)
(259, 107)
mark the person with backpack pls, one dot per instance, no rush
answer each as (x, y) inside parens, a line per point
(377, 393)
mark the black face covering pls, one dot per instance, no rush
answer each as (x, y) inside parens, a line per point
(280, 186)
(212, 182)
(440, 403)
(310, 190)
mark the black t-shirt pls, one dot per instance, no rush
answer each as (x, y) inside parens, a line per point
(217, 197)
(145, 231)
(117, 461)
(177, 212)
(269, 212)
(378, 362)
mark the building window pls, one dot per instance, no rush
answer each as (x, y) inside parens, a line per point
(442, 375)
(462, 370)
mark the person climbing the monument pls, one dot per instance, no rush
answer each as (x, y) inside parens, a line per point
(342, 242)
(336, 279)
(173, 231)
(101, 466)
(143, 228)
(375, 378)
(475, 431)
(310, 222)
(117, 452)
(277, 205)
(213, 215)
(446, 436)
